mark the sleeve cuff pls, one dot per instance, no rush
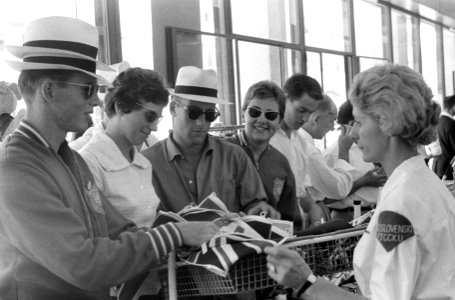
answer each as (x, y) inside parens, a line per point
(164, 239)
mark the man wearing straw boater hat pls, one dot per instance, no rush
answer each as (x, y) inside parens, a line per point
(59, 238)
(190, 164)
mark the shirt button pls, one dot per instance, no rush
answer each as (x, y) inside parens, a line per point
(190, 182)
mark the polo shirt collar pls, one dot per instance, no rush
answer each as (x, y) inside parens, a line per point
(173, 150)
(111, 158)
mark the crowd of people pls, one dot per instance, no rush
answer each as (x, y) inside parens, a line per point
(76, 219)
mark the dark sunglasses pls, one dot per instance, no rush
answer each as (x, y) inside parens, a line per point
(89, 89)
(151, 115)
(194, 112)
(255, 112)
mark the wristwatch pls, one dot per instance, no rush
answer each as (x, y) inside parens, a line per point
(309, 282)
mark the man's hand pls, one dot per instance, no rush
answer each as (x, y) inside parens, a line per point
(374, 177)
(263, 207)
(196, 233)
(344, 142)
(286, 266)
(316, 215)
(9, 94)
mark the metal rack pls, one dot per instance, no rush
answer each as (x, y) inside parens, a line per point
(326, 255)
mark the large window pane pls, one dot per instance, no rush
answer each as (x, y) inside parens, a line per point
(330, 71)
(12, 22)
(268, 19)
(449, 61)
(264, 62)
(405, 42)
(431, 65)
(318, 32)
(313, 65)
(207, 52)
(370, 30)
(366, 63)
(137, 46)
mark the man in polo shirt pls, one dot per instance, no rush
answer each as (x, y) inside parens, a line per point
(190, 164)
(59, 238)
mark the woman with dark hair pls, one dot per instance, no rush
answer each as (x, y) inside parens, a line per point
(263, 109)
(122, 174)
(408, 250)
(134, 108)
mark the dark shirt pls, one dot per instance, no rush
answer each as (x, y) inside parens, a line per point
(446, 136)
(223, 168)
(277, 177)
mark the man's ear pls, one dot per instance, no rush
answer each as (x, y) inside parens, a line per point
(47, 90)
(314, 119)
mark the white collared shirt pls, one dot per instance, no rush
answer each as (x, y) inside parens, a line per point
(323, 180)
(421, 266)
(368, 195)
(285, 145)
(128, 186)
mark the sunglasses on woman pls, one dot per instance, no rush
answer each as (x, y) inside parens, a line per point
(255, 112)
(151, 115)
(194, 112)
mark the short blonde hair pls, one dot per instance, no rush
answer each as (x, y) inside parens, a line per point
(400, 100)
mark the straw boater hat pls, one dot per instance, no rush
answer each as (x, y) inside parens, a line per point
(59, 43)
(195, 84)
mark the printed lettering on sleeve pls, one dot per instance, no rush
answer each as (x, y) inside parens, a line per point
(392, 229)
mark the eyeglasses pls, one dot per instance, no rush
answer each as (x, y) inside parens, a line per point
(151, 115)
(255, 112)
(194, 112)
(90, 89)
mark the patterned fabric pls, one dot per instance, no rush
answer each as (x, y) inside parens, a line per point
(238, 237)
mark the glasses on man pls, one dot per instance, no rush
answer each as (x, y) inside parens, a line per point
(89, 89)
(255, 112)
(151, 115)
(194, 112)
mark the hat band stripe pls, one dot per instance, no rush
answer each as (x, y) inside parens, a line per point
(83, 64)
(195, 90)
(65, 45)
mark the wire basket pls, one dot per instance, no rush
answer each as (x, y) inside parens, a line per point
(330, 253)
(248, 273)
(325, 254)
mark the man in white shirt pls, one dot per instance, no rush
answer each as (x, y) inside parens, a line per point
(323, 181)
(303, 95)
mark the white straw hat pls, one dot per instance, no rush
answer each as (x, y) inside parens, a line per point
(59, 43)
(193, 83)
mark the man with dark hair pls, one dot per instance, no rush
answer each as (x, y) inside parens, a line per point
(446, 138)
(303, 94)
(59, 237)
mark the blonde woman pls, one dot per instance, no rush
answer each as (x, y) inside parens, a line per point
(408, 249)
